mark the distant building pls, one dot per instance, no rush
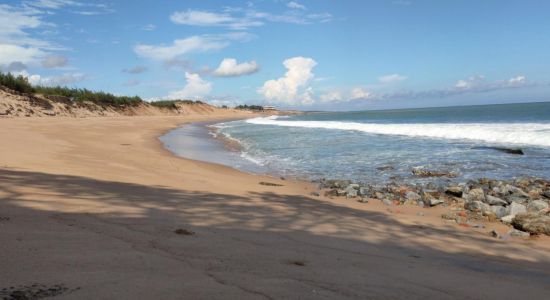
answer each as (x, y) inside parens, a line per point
(269, 108)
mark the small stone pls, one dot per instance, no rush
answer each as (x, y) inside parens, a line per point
(363, 200)
(387, 202)
(434, 202)
(353, 186)
(340, 192)
(518, 233)
(363, 191)
(536, 206)
(492, 200)
(477, 206)
(495, 234)
(476, 194)
(315, 194)
(499, 211)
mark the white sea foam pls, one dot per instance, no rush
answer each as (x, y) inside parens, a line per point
(533, 134)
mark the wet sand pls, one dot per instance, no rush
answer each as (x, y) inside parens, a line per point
(90, 207)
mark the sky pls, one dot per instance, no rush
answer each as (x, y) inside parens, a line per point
(308, 55)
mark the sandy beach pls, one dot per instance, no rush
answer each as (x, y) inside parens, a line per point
(91, 207)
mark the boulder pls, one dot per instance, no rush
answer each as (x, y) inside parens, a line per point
(499, 211)
(363, 191)
(353, 186)
(340, 192)
(516, 208)
(454, 190)
(476, 194)
(546, 194)
(534, 223)
(477, 206)
(412, 196)
(421, 172)
(518, 233)
(536, 206)
(492, 200)
(507, 219)
(350, 192)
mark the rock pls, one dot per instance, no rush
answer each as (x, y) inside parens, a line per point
(363, 191)
(385, 168)
(335, 183)
(536, 206)
(516, 208)
(477, 206)
(350, 192)
(476, 194)
(421, 172)
(315, 194)
(454, 190)
(546, 194)
(331, 193)
(518, 233)
(353, 186)
(495, 234)
(363, 200)
(379, 195)
(340, 192)
(515, 151)
(517, 192)
(499, 211)
(434, 202)
(492, 200)
(534, 223)
(412, 196)
(449, 216)
(387, 202)
(507, 219)
(516, 199)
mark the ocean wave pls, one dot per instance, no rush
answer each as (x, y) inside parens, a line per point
(532, 134)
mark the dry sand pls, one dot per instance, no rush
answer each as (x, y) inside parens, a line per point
(88, 209)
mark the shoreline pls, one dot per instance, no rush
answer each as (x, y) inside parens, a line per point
(100, 202)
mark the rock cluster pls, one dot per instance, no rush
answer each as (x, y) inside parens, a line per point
(522, 203)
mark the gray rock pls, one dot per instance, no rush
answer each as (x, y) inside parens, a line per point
(412, 196)
(516, 199)
(387, 202)
(363, 200)
(534, 223)
(546, 194)
(517, 192)
(495, 234)
(454, 190)
(507, 219)
(353, 186)
(495, 200)
(518, 233)
(499, 211)
(363, 191)
(434, 202)
(340, 192)
(351, 193)
(476, 194)
(536, 206)
(477, 206)
(516, 208)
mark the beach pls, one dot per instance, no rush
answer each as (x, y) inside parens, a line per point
(97, 208)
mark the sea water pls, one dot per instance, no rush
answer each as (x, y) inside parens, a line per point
(377, 146)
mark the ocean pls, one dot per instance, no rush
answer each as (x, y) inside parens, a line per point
(379, 146)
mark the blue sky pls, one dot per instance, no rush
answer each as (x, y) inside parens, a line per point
(334, 55)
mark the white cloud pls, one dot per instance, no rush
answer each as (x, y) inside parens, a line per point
(333, 96)
(286, 89)
(61, 80)
(195, 88)
(391, 78)
(241, 18)
(230, 68)
(518, 80)
(295, 5)
(11, 53)
(359, 93)
(54, 61)
(196, 43)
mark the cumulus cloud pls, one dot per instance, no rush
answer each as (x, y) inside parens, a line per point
(11, 53)
(287, 88)
(135, 70)
(54, 61)
(195, 88)
(230, 68)
(391, 78)
(295, 5)
(196, 43)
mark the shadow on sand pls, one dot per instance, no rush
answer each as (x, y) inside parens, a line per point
(264, 245)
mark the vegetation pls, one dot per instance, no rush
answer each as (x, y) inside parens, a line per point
(171, 104)
(250, 107)
(22, 85)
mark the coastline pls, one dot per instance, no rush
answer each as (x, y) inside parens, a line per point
(96, 206)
